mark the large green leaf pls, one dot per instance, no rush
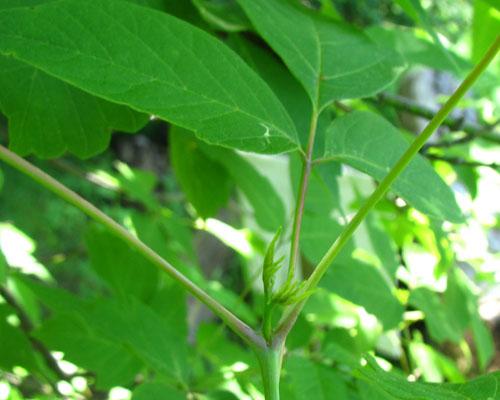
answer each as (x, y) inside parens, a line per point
(153, 338)
(371, 144)
(330, 59)
(125, 270)
(484, 387)
(71, 120)
(203, 180)
(114, 363)
(153, 63)
(280, 80)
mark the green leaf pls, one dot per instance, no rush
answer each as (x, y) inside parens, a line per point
(483, 340)
(114, 363)
(3, 269)
(313, 381)
(366, 286)
(382, 244)
(371, 144)
(290, 92)
(211, 341)
(204, 181)
(330, 59)
(318, 234)
(6, 4)
(72, 120)
(157, 391)
(493, 3)
(459, 300)
(418, 14)
(433, 365)
(15, 347)
(154, 339)
(415, 49)
(436, 321)
(485, 28)
(481, 388)
(160, 65)
(138, 184)
(225, 15)
(125, 270)
(268, 207)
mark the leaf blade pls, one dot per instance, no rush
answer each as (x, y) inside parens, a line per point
(328, 69)
(372, 145)
(175, 71)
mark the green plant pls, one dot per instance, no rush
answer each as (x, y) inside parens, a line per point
(119, 63)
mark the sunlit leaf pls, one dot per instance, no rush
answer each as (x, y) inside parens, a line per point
(366, 286)
(371, 144)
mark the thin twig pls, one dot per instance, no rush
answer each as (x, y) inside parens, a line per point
(485, 131)
(239, 327)
(461, 161)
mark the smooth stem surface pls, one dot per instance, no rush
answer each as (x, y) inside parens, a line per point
(270, 367)
(291, 316)
(243, 330)
(301, 196)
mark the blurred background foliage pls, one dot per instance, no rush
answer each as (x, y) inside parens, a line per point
(83, 316)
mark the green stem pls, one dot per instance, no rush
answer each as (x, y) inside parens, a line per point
(290, 317)
(270, 367)
(243, 330)
(267, 322)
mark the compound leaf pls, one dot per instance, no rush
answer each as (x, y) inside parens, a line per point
(154, 63)
(330, 59)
